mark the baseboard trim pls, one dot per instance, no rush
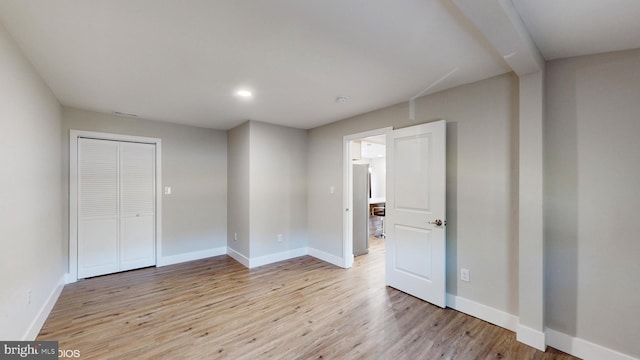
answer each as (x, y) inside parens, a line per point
(571, 345)
(190, 256)
(534, 338)
(274, 258)
(285, 255)
(330, 258)
(238, 257)
(45, 310)
(582, 348)
(483, 312)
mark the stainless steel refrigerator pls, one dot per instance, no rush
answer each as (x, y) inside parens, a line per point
(360, 209)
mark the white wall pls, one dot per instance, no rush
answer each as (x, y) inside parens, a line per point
(592, 176)
(378, 177)
(194, 164)
(481, 183)
(30, 200)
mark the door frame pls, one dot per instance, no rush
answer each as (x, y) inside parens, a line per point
(347, 193)
(74, 135)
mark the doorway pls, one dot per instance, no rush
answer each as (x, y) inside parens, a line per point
(365, 188)
(415, 204)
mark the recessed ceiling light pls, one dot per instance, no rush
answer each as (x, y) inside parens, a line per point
(244, 93)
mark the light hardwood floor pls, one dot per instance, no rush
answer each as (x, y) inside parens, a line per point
(297, 309)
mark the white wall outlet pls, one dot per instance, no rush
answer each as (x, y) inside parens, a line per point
(280, 238)
(29, 296)
(235, 236)
(167, 190)
(464, 275)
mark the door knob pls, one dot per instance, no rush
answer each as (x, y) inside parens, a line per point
(436, 222)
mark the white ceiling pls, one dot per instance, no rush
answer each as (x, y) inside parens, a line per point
(182, 60)
(564, 28)
(371, 150)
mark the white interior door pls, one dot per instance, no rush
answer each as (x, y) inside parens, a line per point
(116, 206)
(415, 210)
(137, 194)
(97, 207)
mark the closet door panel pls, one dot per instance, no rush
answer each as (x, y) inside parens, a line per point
(138, 243)
(137, 209)
(98, 250)
(98, 213)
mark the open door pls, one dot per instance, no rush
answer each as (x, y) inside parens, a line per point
(415, 210)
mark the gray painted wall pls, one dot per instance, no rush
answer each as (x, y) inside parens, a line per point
(238, 196)
(267, 188)
(30, 200)
(278, 188)
(194, 164)
(592, 174)
(481, 183)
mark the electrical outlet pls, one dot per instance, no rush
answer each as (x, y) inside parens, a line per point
(280, 238)
(464, 275)
(29, 296)
(235, 236)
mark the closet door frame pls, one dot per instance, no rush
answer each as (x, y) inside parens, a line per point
(74, 135)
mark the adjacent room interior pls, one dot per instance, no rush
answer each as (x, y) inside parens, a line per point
(423, 179)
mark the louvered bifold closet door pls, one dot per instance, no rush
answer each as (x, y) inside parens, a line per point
(98, 215)
(137, 204)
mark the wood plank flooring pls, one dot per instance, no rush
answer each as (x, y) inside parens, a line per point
(297, 309)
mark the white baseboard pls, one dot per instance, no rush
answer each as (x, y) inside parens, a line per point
(483, 312)
(582, 348)
(534, 338)
(266, 259)
(190, 256)
(174, 259)
(330, 258)
(238, 257)
(571, 345)
(45, 310)
(273, 258)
